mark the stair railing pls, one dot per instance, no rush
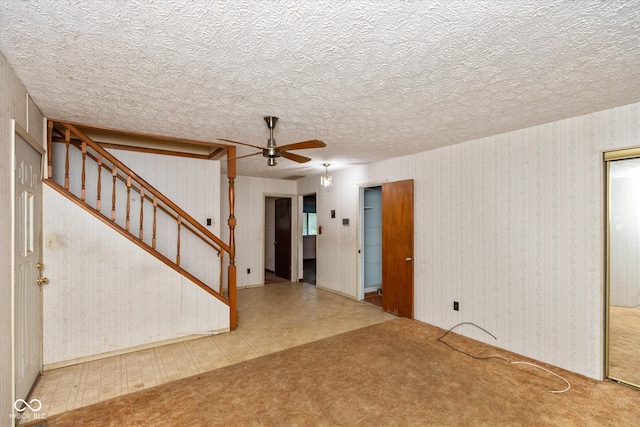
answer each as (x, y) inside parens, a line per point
(181, 234)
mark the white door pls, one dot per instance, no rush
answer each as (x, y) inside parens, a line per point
(28, 294)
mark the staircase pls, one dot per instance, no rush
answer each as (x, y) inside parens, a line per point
(88, 175)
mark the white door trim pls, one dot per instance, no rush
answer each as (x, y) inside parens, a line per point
(360, 235)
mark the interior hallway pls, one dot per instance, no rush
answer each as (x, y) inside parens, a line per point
(270, 319)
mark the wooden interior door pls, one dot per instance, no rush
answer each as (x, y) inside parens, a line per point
(28, 294)
(283, 238)
(397, 248)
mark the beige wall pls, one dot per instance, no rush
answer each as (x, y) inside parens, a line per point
(14, 104)
(511, 226)
(122, 297)
(250, 231)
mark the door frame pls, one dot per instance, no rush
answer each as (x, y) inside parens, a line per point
(608, 157)
(19, 130)
(360, 236)
(296, 228)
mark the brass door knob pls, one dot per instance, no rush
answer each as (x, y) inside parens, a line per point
(42, 280)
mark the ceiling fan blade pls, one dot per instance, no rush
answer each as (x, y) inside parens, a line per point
(294, 157)
(313, 143)
(246, 155)
(241, 143)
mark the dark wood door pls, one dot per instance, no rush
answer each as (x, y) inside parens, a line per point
(397, 248)
(283, 239)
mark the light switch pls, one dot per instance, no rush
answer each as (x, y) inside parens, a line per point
(51, 241)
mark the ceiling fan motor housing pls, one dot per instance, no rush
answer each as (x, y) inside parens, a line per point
(271, 152)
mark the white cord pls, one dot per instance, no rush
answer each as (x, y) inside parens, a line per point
(501, 358)
(546, 370)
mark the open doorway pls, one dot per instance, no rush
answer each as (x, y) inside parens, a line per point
(371, 243)
(277, 239)
(309, 233)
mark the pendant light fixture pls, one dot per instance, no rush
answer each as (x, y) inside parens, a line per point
(326, 180)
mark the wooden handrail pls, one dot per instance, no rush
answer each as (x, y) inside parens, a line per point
(148, 187)
(98, 159)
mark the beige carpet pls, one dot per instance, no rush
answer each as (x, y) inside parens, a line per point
(393, 373)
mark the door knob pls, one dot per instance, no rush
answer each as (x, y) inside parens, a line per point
(408, 259)
(41, 280)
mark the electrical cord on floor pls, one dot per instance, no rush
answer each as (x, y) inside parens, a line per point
(467, 354)
(498, 357)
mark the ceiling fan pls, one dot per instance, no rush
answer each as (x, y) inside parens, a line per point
(272, 152)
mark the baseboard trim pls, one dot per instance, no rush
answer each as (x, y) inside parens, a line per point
(258, 285)
(333, 291)
(120, 352)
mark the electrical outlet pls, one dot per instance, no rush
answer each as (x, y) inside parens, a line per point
(456, 306)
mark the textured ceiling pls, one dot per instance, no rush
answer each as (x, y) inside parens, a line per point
(372, 79)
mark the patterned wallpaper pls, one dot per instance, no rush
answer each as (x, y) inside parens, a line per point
(193, 184)
(250, 231)
(107, 294)
(511, 226)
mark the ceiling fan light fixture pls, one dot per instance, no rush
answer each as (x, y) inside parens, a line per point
(326, 180)
(271, 161)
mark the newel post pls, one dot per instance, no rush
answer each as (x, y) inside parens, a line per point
(231, 172)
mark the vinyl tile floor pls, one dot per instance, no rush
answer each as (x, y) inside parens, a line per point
(270, 319)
